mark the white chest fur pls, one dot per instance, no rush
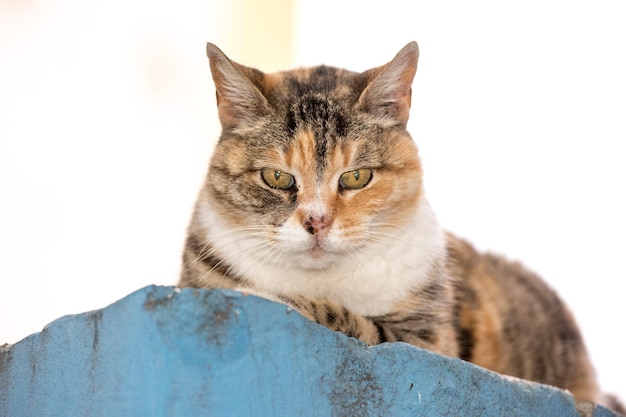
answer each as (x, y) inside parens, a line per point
(368, 282)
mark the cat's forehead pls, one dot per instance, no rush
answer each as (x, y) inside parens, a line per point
(327, 117)
(326, 133)
(325, 128)
(285, 88)
(316, 105)
(315, 158)
(316, 124)
(322, 79)
(323, 149)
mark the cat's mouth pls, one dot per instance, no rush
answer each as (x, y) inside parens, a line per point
(314, 254)
(320, 254)
(317, 252)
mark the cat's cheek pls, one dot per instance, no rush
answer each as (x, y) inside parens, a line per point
(245, 202)
(394, 199)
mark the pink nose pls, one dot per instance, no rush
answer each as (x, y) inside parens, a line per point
(316, 224)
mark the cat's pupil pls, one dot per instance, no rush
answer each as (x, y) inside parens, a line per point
(277, 175)
(356, 174)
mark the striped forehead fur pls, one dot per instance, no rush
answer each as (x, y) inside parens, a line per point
(321, 100)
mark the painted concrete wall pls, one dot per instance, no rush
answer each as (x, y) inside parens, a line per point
(167, 352)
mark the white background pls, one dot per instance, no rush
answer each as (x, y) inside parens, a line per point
(107, 121)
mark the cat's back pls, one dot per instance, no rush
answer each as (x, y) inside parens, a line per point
(512, 322)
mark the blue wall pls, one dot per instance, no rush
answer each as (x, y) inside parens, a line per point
(167, 352)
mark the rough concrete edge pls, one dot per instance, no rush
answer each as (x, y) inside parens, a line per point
(155, 294)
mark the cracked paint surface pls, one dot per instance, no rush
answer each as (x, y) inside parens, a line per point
(163, 351)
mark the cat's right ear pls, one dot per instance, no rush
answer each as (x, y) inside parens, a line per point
(239, 101)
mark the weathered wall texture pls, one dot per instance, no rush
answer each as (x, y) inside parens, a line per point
(166, 352)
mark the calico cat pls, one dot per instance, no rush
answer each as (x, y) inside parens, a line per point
(314, 198)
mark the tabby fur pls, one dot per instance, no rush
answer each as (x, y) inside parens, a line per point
(371, 262)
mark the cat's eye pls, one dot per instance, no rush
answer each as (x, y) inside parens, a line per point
(354, 180)
(277, 179)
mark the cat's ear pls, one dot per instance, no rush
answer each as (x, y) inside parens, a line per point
(388, 94)
(239, 100)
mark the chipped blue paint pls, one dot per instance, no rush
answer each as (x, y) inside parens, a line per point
(166, 352)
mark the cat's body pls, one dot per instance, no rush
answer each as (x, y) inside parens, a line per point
(314, 198)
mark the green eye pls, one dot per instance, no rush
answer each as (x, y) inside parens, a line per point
(277, 179)
(354, 180)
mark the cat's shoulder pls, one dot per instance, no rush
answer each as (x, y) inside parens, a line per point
(464, 260)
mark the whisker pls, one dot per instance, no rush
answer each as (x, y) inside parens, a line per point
(387, 225)
(227, 237)
(233, 235)
(227, 260)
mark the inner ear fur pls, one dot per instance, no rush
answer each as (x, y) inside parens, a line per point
(239, 100)
(388, 95)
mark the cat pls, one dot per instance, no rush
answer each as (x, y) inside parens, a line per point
(314, 198)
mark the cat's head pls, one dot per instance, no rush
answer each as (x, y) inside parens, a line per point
(314, 166)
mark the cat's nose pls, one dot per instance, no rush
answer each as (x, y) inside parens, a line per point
(316, 224)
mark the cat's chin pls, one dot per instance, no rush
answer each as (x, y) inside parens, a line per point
(315, 259)
(328, 258)
(316, 265)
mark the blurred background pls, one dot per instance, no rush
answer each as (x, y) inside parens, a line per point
(107, 121)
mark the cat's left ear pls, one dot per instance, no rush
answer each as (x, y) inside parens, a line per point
(388, 95)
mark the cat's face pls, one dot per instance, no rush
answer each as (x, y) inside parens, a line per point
(314, 166)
